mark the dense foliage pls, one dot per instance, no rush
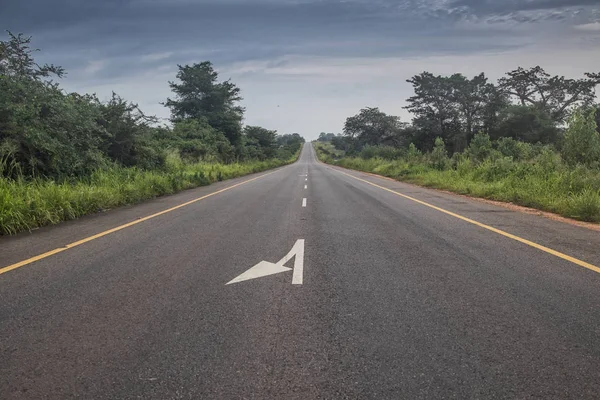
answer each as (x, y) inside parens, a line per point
(506, 169)
(63, 155)
(527, 104)
(531, 138)
(45, 132)
(26, 204)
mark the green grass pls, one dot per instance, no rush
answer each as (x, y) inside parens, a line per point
(544, 183)
(28, 204)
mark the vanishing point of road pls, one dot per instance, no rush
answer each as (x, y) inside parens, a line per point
(305, 282)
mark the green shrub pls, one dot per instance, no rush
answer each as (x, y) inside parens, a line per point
(439, 155)
(515, 149)
(480, 147)
(585, 206)
(581, 139)
(413, 154)
(542, 182)
(384, 152)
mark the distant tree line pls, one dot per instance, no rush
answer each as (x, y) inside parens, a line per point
(47, 132)
(526, 105)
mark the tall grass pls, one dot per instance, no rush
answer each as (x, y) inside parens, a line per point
(28, 204)
(543, 182)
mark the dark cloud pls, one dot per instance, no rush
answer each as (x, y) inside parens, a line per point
(142, 25)
(511, 6)
(118, 34)
(263, 28)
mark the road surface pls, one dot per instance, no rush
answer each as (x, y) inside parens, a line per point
(388, 291)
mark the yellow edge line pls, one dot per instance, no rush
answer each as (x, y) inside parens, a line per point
(484, 226)
(120, 227)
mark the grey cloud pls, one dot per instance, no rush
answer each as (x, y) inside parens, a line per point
(119, 32)
(141, 26)
(510, 6)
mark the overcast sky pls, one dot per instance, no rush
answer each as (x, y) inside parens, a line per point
(303, 65)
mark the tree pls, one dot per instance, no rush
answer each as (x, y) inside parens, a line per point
(290, 140)
(554, 94)
(199, 95)
(453, 108)
(289, 144)
(477, 102)
(264, 139)
(434, 111)
(372, 126)
(44, 131)
(526, 123)
(126, 129)
(16, 60)
(345, 143)
(325, 137)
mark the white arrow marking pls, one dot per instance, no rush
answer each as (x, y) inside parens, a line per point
(265, 268)
(298, 275)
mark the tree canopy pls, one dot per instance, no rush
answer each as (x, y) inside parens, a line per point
(528, 105)
(553, 94)
(46, 132)
(199, 95)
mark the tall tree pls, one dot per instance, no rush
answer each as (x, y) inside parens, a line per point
(453, 108)
(16, 60)
(372, 126)
(199, 94)
(476, 101)
(431, 105)
(554, 94)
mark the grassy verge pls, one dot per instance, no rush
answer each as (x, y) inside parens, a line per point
(28, 204)
(544, 183)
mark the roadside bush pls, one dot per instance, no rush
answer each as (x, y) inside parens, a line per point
(439, 155)
(413, 155)
(548, 160)
(581, 139)
(48, 133)
(540, 179)
(585, 205)
(515, 149)
(480, 147)
(381, 151)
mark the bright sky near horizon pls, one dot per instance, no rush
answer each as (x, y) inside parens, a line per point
(303, 65)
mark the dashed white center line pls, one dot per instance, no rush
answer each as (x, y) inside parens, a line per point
(305, 186)
(304, 202)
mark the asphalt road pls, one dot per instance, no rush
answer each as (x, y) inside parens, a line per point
(398, 300)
